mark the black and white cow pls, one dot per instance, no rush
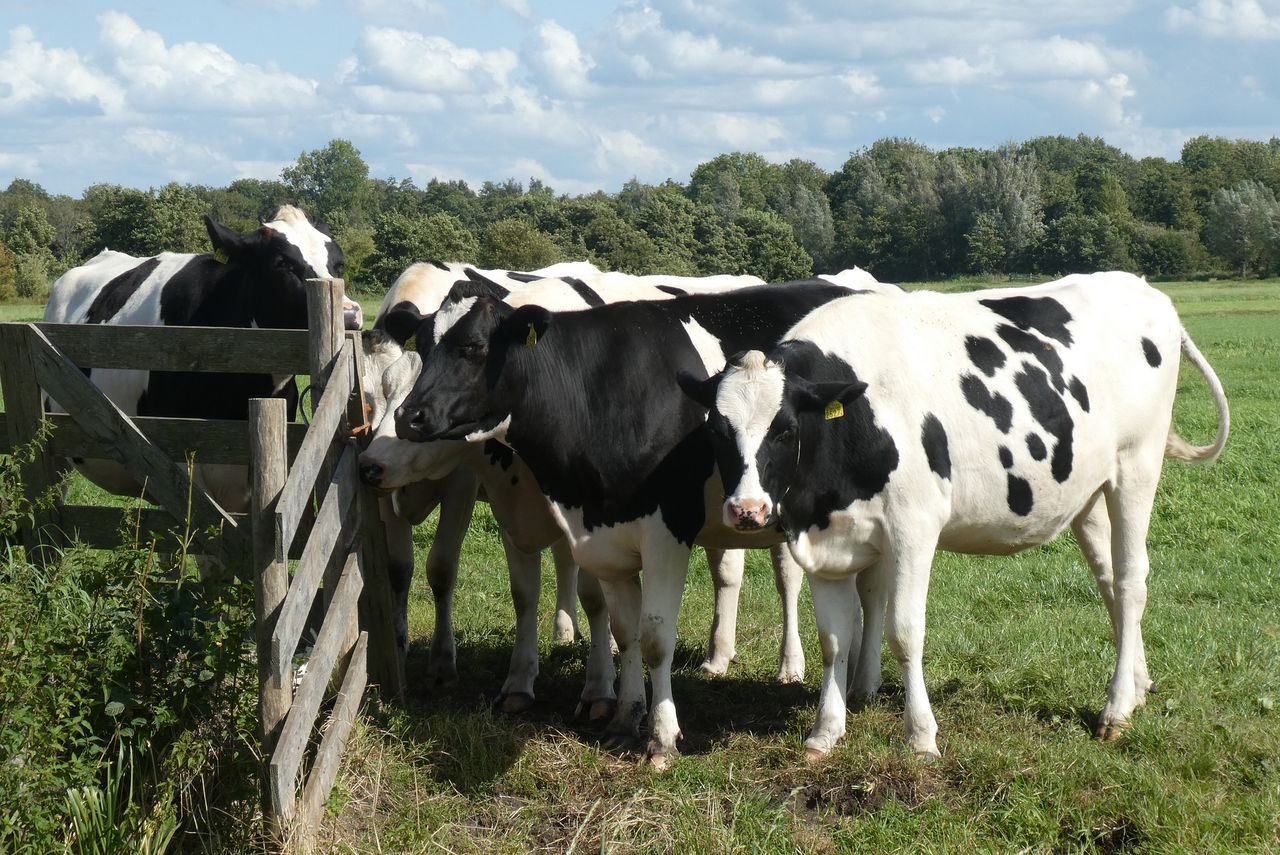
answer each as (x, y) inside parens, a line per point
(251, 279)
(884, 428)
(590, 402)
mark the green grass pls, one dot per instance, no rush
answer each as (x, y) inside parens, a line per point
(1017, 661)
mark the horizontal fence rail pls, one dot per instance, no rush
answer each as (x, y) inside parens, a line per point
(206, 350)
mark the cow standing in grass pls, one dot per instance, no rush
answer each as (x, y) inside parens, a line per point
(884, 428)
(251, 279)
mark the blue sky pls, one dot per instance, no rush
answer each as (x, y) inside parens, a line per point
(584, 96)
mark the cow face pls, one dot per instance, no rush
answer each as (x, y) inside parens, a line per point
(454, 396)
(757, 422)
(277, 259)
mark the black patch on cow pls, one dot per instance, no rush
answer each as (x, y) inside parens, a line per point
(1019, 495)
(588, 295)
(499, 454)
(984, 353)
(1043, 351)
(111, 299)
(673, 290)
(1050, 411)
(1080, 393)
(438, 264)
(334, 259)
(523, 277)
(1035, 445)
(1006, 457)
(1152, 352)
(982, 399)
(1045, 315)
(841, 460)
(934, 438)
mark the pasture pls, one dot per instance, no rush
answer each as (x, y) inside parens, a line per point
(1017, 659)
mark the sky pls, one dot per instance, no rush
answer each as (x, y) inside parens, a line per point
(586, 95)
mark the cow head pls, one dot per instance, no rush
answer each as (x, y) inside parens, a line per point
(470, 338)
(276, 260)
(757, 415)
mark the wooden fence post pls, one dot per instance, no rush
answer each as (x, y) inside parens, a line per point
(25, 410)
(268, 463)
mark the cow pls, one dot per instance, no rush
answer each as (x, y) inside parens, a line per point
(251, 279)
(590, 402)
(883, 428)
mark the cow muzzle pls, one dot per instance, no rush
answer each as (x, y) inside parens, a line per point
(748, 514)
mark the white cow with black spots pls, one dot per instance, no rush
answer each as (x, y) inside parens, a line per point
(883, 428)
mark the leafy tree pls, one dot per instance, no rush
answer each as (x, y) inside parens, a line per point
(1162, 195)
(175, 223)
(1243, 227)
(452, 197)
(329, 179)
(30, 233)
(114, 215)
(516, 245)
(772, 252)
(1082, 243)
(986, 251)
(1159, 251)
(8, 274)
(402, 239)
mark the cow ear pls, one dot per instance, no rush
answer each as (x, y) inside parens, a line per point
(828, 398)
(701, 390)
(525, 326)
(487, 286)
(464, 288)
(402, 321)
(227, 244)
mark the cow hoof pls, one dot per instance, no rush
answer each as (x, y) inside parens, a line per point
(659, 761)
(786, 676)
(595, 711)
(1109, 731)
(813, 755)
(716, 666)
(515, 703)
(928, 757)
(621, 742)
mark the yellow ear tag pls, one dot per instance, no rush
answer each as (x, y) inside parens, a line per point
(411, 343)
(835, 410)
(532, 338)
(220, 256)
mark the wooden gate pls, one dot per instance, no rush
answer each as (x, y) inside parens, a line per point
(342, 554)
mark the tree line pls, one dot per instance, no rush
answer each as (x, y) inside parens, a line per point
(1049, 205)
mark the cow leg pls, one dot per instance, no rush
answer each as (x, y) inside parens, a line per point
(787, 578)
(457, 501)
(565, 629)
(666, 566)
(873, 593)
(1092, 529)
(835, 610)
(399, 570)
(623, 600)
(525, 571)
(905, 625)
(598, 699)
(1129, 505)
(726, 567)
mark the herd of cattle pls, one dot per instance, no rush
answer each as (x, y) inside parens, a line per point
(851, 428)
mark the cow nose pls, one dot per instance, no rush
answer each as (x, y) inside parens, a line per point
(371, 472)
(410, 423)
(747, 514)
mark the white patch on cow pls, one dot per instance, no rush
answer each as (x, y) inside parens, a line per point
(749, 398)
(450, 313)
(297, 229)
(707, 345)
(498, 432)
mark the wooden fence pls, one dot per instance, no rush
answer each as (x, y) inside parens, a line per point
(292, 467)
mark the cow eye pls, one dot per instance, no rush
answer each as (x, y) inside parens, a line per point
(784, 435)
(473, 350)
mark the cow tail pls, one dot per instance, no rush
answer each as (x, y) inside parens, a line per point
(1177, 447)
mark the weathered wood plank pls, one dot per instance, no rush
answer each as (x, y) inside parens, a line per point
(211, 440)
(386, 665)
(270, 574)
(166, 480)
(106, 528)
(215, 350)
(335, 527)
(25, 410)
(287, 758)
(324, 770)
(311, 454)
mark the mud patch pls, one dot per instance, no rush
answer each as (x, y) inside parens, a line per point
(907, 783)
(1111, 836)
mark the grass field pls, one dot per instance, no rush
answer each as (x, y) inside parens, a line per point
(1017, 661)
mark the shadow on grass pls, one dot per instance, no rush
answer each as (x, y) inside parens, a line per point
(472, 744)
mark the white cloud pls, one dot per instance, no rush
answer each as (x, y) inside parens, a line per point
(1243, 20)
(936, 113)
(560, 61)
(412, 61)
(195, 75)
(622, 150)
(32, 76)
(950, 70)
(863, 84)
